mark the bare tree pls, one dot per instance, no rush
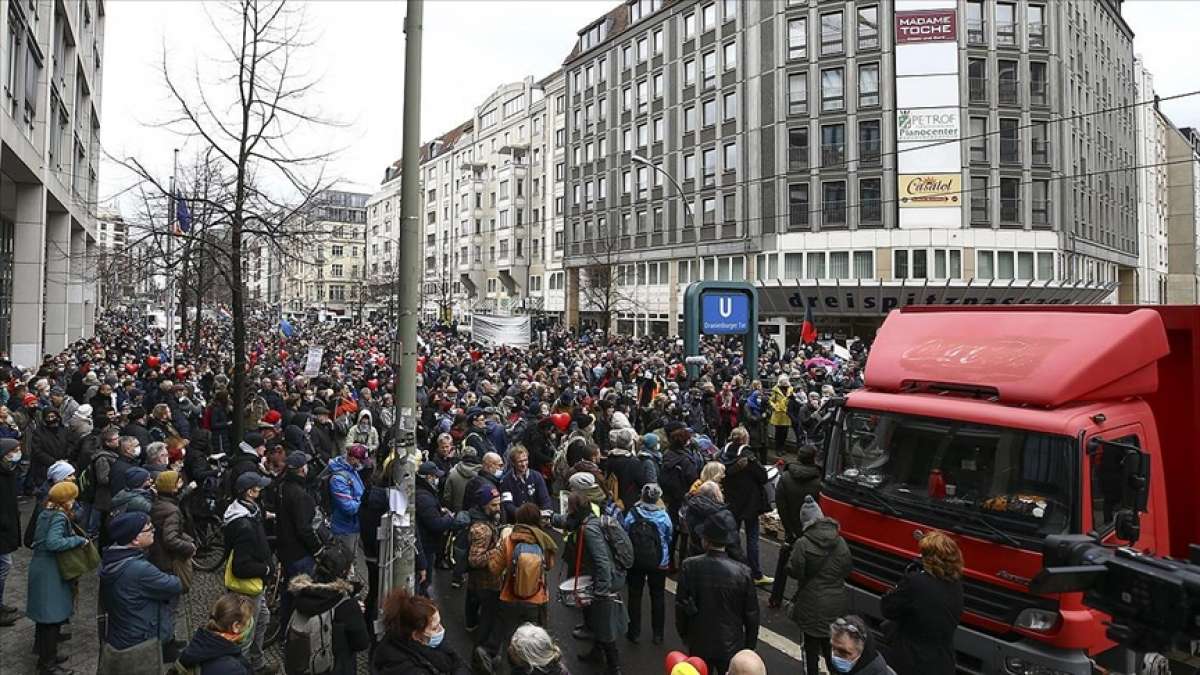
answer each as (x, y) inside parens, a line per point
(603, 286)
(248, 108)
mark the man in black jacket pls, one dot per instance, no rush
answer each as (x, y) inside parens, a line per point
(433, 521)
(716, 606)
(246, 541)
(323, 435)
(801, 478)
(246, 459)
(296, 536)
(48, 443)
(137, 426)
(10, 520)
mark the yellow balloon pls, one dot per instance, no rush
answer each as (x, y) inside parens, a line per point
(684, 668)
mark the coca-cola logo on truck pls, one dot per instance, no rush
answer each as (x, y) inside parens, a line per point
(926, 25)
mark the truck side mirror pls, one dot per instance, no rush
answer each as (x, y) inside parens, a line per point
(1136, 468)
(1127, 526)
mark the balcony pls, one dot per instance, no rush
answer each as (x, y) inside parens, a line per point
(466, 211)
(469, 188)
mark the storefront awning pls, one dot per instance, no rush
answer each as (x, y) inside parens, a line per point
(873, 298)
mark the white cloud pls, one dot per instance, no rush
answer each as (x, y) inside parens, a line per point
(1165, 37)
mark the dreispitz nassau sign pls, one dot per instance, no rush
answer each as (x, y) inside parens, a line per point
(868, 297)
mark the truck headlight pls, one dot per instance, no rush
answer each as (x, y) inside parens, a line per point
(1019, 666)
(1037, 620)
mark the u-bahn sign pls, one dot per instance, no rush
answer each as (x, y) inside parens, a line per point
(721, 308)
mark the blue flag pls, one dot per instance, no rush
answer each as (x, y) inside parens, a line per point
(286, 328)
(183, 216)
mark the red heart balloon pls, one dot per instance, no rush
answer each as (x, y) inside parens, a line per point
(131, 368)
(562, 421)
(372, 384)
(283, 355)
(152, 361)
(673, 659)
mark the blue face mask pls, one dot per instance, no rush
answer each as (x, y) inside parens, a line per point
(842, 665)
(436, 639)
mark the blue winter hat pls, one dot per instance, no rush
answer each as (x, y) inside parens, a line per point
(126, 527)
(136, 477)
(650, 441)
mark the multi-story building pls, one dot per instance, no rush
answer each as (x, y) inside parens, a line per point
(931, 151)
(114, 278)
(383, 232)
(50, 74)
(1183, 215)
(491, 208)
(332, 270)
(1153, 195)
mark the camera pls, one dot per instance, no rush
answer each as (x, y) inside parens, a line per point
(1154, 602)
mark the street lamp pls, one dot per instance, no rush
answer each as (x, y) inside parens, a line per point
(687, 207)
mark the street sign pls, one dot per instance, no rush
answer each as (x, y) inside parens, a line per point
(724, 313)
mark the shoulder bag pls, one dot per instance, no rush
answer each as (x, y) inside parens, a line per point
(80, 560)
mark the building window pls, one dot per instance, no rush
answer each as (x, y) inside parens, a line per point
(709, 158)
(709, 210)
(689, 72)
(643, 95)
(977, 142)
(868, 85)
(833, 145)
(730, 159)
(627, 98)
(1039, 201)
(658, 85)
(798, 93)
(797, 38)
(658, 41)
(798, 149)
(868, 28)
(1006, 24)
(977, 80)
(1038, 85)
(1010, 141)
(708, 116)
(870, 143)
(689, 167)
(658, 130)
(816, 265)
(798, 206)
(689, 118)
(1010, 201)
(980, 211)
(1039, 142)
(976, 24)
(709, 16)
(833, 203)
(335, 271)
(1008, 82)
(709, 63)
(1036, 26)
(643, 49)
(729, 53)
(831, 33)
(689, 26)
(870, 201)
(832, 89)
(729, 106)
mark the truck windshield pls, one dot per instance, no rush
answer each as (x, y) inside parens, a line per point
(999, 483)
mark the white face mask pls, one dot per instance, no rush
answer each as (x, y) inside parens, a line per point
(137, 451)
(308, 427)
(14, 458)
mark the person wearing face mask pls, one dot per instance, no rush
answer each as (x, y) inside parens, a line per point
(10, 520)
(49, 598)
(363, 433)
(250, 556)
(136, 595)
(853, 649)
(414, 639)
(48, 443)
(216, 647)
(433, 521)
(129, 457)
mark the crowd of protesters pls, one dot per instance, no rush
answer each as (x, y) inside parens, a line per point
(650, 472)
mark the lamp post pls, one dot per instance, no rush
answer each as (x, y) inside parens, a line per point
(687, 207)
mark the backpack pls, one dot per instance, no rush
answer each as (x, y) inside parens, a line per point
(618, 542)
(308, 649)
(647, 545)
(325, 490)
(526, 570)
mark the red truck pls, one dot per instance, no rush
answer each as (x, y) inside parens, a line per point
(1002, 425)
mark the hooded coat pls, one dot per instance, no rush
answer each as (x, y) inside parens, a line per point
(350, 635)
(743, 487)
(49, 598)
(820, 563)
(680, 468)
(246, 540)
(10, 514)
(455, 487)
(136, 595)
(699, 507)
(214, 655)
(296, 538)
(798, 481)
(368, 438)
(626, 468)
(404, 656)
(432, 524)
(346, 489)
(655, 514)
(501, 558)
(173, 547)
(46, 446)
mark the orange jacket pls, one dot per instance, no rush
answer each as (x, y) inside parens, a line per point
(502, 557)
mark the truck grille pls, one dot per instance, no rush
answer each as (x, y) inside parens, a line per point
(992, 602)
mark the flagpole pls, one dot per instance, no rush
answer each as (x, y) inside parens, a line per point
(170, 262)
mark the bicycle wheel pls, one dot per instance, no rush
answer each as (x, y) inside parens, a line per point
(210, 546)
(273, 589)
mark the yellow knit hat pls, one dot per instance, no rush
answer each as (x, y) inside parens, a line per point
(63, 492)
(166, 482)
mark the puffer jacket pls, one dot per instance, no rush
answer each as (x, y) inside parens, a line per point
(347, 491)
(716, 606)
(798, 481)
(136, 594)
(139, 500)
(173, 547)
(350, 635)
(820, 563)
(657, 515)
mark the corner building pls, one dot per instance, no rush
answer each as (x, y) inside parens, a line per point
(853, 155)
(50, 86)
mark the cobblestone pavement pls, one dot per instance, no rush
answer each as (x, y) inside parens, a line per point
(16, 642)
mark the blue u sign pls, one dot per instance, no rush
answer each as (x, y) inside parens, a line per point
(724, 313)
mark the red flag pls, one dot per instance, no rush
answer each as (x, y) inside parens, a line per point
(808, 329)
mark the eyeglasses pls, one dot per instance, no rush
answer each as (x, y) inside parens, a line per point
(843, 625)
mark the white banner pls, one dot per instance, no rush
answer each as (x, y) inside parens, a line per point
(312, 367)
(500, 330)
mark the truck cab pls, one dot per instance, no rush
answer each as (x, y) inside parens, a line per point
(1001, 426)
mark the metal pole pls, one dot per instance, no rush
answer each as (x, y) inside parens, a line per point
(171, 263)
(404, 451)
